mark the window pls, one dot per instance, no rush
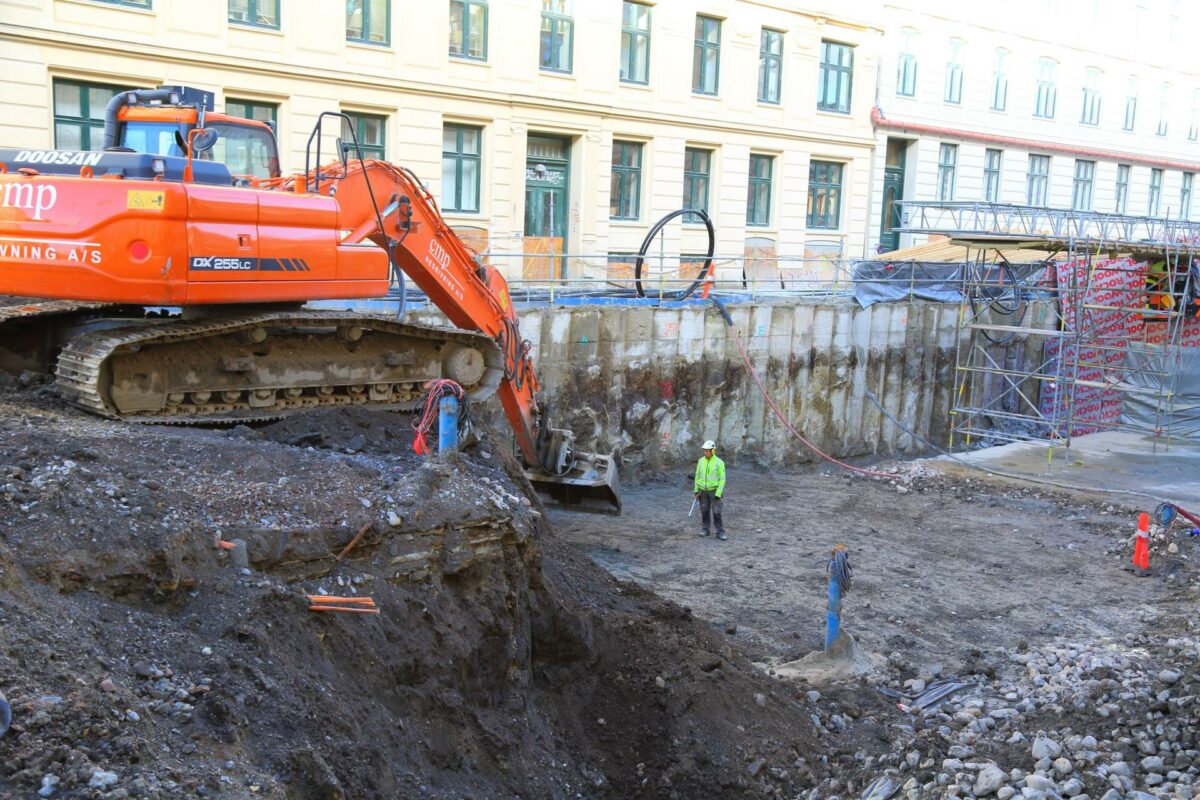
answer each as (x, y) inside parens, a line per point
(558, 34)
(134, 3)
(79, 114)
(626, 189)
(697, 164)
(370, 130)
(263, 13)
(1185, 196)
(1194, 124)
(1131, 104)
(758, 197)
(1122, 188)
(250, 109)
(635, 43)
(947, 162)
(369, 21)
(460, 167)
(991, 175)
(1081, 193)
(1091, 98)
(1000, 81)
(906, 67)
(468, 29)
(770, 65)
(824, 195)
(1047, 93)
(1037, 180)
(954, 73)
(837, 70)
(1164, 105)
(1155, 199)
(706, 58)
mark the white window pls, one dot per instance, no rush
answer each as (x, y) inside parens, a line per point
(954, 73)
(1000, 81)
(906, 67)
(1047, 92)
(1131, 103)
(1194, 120)
(1164, 109)
(1091, 97)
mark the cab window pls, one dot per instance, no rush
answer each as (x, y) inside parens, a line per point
(245, 150)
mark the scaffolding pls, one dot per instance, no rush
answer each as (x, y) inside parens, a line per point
(1087, 341)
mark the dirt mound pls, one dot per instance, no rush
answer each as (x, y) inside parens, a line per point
(142, 660)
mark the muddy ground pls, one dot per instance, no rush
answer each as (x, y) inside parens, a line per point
(941, 567)
(143, 660)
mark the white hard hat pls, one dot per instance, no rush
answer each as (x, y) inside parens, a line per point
(709, 445)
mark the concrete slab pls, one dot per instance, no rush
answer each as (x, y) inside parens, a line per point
(1105, 460)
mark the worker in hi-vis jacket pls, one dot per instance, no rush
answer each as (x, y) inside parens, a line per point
(709, 487)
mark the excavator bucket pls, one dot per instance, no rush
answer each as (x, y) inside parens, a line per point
(589, 485)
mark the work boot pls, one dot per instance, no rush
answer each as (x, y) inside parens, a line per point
(721, 535)
(704, 532)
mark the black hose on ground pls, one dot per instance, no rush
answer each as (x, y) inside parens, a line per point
(653, 234)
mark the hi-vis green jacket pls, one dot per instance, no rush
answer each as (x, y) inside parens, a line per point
(710, 475)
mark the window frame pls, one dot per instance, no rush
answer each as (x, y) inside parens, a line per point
(1090, 112)
(906, 65)
(368, 150)
(692, 177)
(1154, 194)
(1121, 201)
(556, 20)
(999, 100)
(624, 175)
(952, 92)
(1164, 115)
(84, 121)
(765, 58)
(1083, 185)
(1046, 97)
(459, 157)
(366, 28)
(828, 186)
(947, 167)
(1129, 122)
(630, 60)
(992, 171)
(701, 47)
(142, 5)
(466, 30)
(828, 68)
(753, 211)
(1185, 194)
(1042, 181)
(249, 105)
(252, 12)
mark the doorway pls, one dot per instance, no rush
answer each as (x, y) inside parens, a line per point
(547, 178)
(893, 191)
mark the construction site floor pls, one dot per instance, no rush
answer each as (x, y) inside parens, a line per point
(1109, 460)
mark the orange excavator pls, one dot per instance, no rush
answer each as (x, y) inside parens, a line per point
(167, 275)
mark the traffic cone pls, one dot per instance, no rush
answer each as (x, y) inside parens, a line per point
(1141, 545)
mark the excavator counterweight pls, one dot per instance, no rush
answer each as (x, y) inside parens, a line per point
(187, 208)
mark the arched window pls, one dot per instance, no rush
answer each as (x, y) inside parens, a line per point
(1047, 92)
(954, 73)
(1090, 115)
(1000, 80)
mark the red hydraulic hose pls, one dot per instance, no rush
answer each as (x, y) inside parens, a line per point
(737, 337)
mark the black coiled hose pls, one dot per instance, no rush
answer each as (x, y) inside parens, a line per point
(653, 234)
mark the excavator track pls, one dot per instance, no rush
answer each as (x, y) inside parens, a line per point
(262, 366)
(32, 329)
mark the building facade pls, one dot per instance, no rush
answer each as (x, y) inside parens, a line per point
(1072, 104)
(540, 125)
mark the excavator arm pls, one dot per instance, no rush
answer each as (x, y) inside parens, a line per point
(386, 204)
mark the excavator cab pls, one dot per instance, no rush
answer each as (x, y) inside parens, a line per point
(159, 122)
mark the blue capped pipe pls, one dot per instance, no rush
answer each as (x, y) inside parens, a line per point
(447, 424)
(839, 587)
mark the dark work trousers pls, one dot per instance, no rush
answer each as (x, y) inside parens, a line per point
(709, 500)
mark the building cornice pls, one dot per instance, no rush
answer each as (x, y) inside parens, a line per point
(880, 121)
(149, 51)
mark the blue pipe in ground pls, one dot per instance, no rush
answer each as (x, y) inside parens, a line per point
(447, 424)
(833, 615)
